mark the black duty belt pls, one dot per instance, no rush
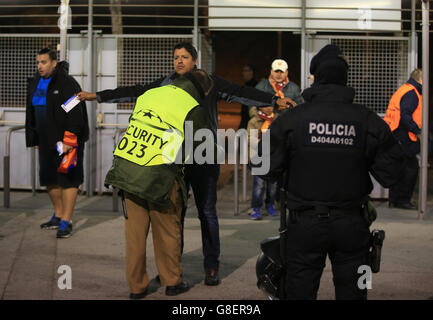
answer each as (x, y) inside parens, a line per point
(326, 212)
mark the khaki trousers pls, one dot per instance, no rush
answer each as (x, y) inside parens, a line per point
(166, 232)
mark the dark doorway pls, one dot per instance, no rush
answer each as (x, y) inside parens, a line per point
(234, 49)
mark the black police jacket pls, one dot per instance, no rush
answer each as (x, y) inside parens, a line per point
(327, 146)
(61, 88)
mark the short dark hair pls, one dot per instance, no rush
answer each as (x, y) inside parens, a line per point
(51, 53)
(201, 80)
(188, 47)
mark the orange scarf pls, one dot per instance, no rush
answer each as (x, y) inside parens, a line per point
(267, 121)
(278, 88)
(69, 160)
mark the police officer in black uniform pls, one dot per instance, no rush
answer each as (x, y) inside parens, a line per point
(327, 147)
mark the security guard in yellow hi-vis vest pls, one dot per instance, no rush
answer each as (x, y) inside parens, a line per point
(147, 171)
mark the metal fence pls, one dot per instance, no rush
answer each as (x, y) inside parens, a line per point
(206, 54)
(17, 64)
(142, 60)
(378, 66)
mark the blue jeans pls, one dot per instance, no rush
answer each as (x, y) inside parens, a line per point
(259, 186)
(203, 180)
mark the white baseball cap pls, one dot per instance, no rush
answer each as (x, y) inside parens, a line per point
(279, 64)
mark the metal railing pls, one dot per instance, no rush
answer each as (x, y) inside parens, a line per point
(6, 167)
(115, 190)
(6, 122)
(237, 157)
(175, 16)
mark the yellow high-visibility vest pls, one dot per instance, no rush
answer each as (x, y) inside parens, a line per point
(156, 127)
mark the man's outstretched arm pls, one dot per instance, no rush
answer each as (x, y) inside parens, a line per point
(120, 94)
(247, 95)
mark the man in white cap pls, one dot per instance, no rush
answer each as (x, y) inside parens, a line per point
(279, 84)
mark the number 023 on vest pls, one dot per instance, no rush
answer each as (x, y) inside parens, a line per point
(156, 127)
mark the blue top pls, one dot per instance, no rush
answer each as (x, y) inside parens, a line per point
(39, 102)
(40, 95)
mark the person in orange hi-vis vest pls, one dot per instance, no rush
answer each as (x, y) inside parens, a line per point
(404, 117)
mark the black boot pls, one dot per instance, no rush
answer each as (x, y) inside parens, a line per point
(177, 289)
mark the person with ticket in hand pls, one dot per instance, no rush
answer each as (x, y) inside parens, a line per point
(56, 123)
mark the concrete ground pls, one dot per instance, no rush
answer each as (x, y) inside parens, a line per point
(31, 257)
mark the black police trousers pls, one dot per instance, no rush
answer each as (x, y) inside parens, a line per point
(402, 192)
(344, 236)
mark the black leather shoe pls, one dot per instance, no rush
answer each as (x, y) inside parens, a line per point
(178, 289)
(137, 296)
(406, 206)
(212, 278)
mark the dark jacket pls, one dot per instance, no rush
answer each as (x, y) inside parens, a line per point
(153, 183)
(291, 90)
(328, 146)
(408, 104)
(61, 88)
(245, 117)
(222, 90)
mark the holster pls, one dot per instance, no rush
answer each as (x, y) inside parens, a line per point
(375, 252)
(369, 212)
